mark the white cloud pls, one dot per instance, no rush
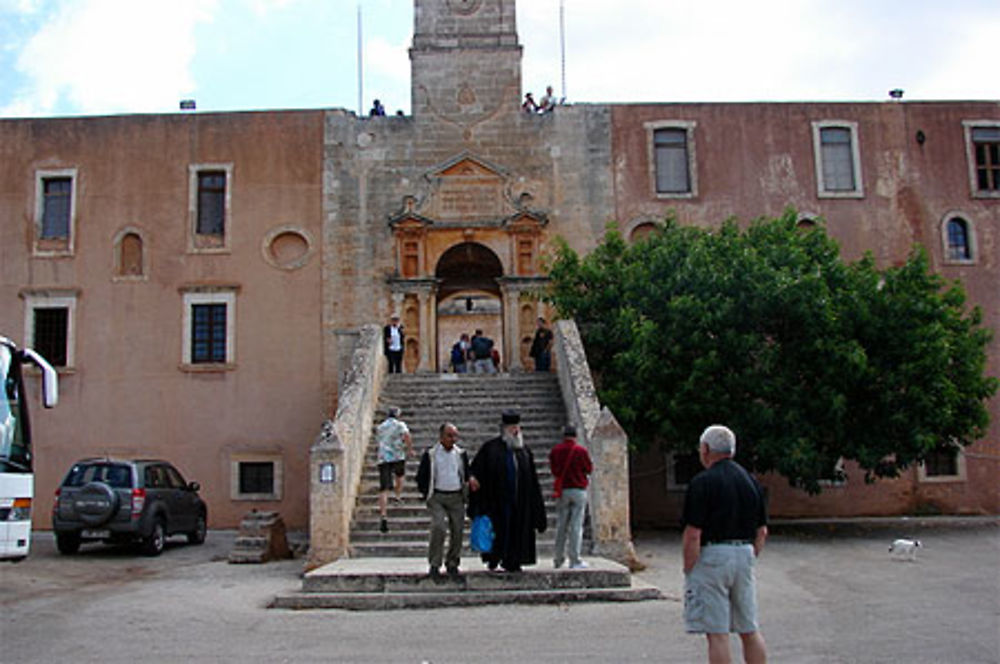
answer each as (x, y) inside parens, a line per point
(106, 56)
(733, 50)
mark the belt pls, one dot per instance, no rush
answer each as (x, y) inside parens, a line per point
(733, 542)
(443, 491)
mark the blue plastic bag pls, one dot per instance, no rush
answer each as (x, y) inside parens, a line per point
(481, 534)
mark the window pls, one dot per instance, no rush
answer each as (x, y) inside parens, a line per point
(209, 328)
(210, 207)
(208, 333)
(49, 326)
(55, 211)
(959, 239)
(55, 207)
(256, 476)
(130, 256)
(51, 334)
(944, 464)
(681, 469)
(672, 159)
(211, 203)
(838, 162)
(982, 140)
(642, 231)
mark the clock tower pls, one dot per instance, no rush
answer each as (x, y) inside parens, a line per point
(465, 60)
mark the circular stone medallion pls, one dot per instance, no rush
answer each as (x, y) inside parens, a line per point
(464, 6)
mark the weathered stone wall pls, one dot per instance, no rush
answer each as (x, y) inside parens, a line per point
(607, 442)
(338, 455)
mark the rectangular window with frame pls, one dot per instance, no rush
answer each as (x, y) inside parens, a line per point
(209, 328)
(208, 333)
(838, 159)
(210, 207)
(986, 148)
(945, 463)
(838, 166)
(670, 147)
(54, 212)
(211, 203)
(681, 469)
(57, 200)
(49, 325)
(256, 477)
(942, 462)
(50, 336)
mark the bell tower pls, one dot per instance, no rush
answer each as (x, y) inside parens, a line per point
(465, 60)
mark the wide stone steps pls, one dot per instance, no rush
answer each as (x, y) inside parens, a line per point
(365, 584)
(473, 403)
(389, 570)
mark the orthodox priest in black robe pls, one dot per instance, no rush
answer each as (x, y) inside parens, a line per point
(505, 487)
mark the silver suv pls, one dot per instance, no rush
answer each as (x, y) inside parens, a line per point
(113, 501)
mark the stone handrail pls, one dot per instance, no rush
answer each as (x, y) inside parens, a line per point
(607, 442)
(337, 457)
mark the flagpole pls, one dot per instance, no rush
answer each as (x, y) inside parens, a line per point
(361, 78)
(562, 44)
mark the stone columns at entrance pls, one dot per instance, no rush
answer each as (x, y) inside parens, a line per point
(428, 315)
(511, 296)
(424, 290)
(511, 289)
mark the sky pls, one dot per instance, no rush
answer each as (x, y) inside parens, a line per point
(98, 57)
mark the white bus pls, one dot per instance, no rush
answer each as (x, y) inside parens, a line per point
(17, 477)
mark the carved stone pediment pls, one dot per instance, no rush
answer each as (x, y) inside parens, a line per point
(526, 222)
(468, 189)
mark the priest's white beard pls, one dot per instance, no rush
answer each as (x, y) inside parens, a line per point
(515, 441)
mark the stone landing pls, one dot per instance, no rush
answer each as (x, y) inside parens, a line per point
(373, 584)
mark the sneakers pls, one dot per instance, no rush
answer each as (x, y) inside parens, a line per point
(556, 564)
(453, 573)
(435, 574)
(580, 564)
(383, 526)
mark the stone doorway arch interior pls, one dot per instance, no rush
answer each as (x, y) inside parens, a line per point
(468, 297)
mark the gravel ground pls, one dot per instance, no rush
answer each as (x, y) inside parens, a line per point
(828, 594)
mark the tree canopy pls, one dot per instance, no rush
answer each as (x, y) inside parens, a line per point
(808, 358)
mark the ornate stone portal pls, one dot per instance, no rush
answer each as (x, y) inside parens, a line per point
(467, 240)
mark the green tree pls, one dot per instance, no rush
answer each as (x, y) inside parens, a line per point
(807, 357)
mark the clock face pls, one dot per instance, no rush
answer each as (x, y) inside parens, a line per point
(464, 6)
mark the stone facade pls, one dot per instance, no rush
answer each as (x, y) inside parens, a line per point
(334, 222)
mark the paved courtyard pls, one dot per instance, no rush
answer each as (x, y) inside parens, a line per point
(828, 593)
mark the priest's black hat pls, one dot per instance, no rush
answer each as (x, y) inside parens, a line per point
(511, 417)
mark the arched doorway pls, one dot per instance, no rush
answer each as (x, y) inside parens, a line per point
(468, 297)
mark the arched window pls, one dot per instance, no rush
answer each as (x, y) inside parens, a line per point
(642, 230)
(958, 240)
(130, 260)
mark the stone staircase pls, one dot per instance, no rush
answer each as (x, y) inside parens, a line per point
(473, 403)
(389, 570)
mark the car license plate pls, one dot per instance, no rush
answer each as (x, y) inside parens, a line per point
(95, 534)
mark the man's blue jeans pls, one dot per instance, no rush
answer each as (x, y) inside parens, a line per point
(570, 510)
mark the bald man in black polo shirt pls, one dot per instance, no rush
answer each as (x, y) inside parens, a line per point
(725, 526)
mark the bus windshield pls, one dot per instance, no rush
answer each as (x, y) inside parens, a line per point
(15, 454)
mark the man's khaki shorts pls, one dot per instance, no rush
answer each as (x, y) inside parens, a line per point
(720, 592)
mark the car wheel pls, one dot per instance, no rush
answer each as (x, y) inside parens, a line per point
(153, 545)
(197, 536)
(67, 543)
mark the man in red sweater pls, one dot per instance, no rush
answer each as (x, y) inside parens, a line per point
(570, 465)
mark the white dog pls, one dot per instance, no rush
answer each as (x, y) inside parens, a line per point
(904, 549)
